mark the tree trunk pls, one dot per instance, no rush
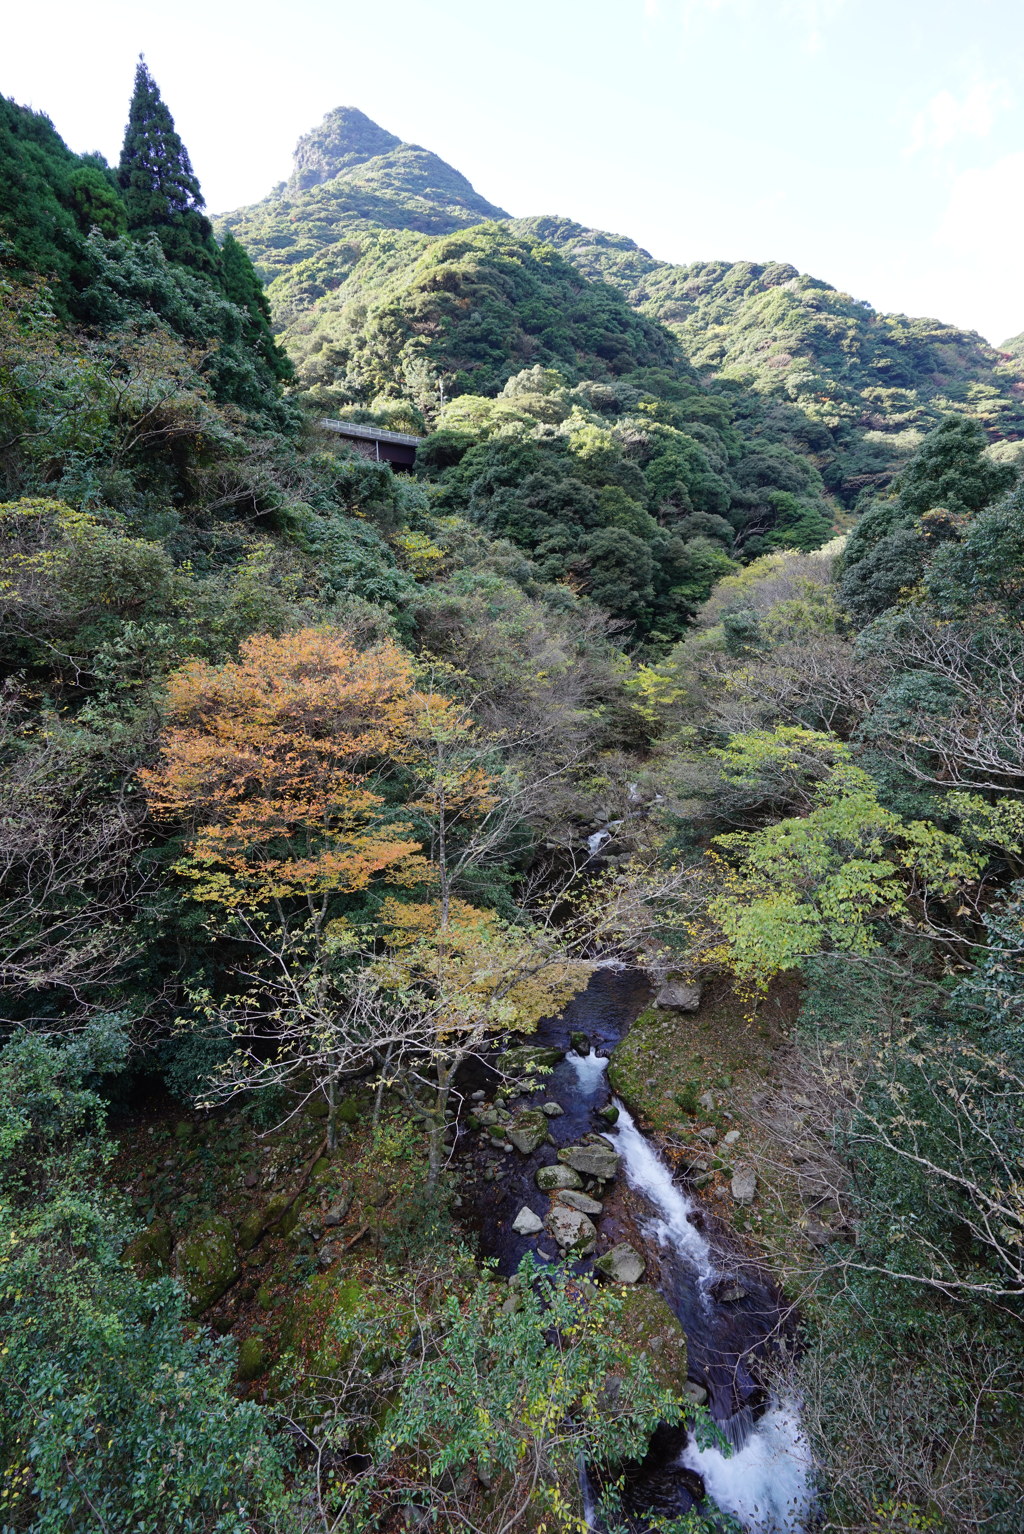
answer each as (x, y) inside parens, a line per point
(332, 1117)
(437, 1123)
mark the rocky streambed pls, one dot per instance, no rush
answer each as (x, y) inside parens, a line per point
(564, 1171)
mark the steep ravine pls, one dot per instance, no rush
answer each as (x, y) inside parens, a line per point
(730, 1310)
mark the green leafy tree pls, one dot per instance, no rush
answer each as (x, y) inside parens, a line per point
(516, 1387)
(951, 471)
(110, 1416)
(824, 878)
(161, 191)
(948, 481)
(243, 287)
(984, 572)
(50, 199)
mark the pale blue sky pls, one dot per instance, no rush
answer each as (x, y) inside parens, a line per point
(878, 144)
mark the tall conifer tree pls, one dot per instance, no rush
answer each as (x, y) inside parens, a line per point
(242, 285)
(161, 192)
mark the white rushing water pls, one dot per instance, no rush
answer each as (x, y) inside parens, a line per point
(765, 1483)
(649, 1175)
(589, 1070)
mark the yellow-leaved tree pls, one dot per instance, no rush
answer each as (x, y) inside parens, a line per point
(301, 776)
(827, 876)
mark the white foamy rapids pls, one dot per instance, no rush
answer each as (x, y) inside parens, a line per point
(646, 1172)
(766, 1483)
(589, 1070)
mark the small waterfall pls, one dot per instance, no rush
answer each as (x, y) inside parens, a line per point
(649, 1175)
(589, 1070)
(765, 1482)
(587, 1493)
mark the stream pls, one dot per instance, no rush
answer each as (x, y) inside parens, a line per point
(730, 1310)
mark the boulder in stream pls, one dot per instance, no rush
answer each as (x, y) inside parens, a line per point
(581, 1201)
(528, 1131)
(647, 1327)
(574, 1231)
(552, 1110)
(622, 1265)
(549, 1178)
(530, 1057)
(591, 1160)
(526, 1223)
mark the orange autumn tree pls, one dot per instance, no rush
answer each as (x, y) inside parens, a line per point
(273, 765)
(272, 762)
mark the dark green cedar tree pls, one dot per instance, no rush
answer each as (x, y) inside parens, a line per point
(161, 191)
(243, 287)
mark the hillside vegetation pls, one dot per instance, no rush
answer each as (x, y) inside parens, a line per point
(869, 384)
(304, 768)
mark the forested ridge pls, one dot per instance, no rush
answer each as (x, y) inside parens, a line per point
(693, 643)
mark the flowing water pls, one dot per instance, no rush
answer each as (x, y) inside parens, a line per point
(731, 1312)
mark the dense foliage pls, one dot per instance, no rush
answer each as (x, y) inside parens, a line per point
(874, 764)
(859, 388)
(302, 767)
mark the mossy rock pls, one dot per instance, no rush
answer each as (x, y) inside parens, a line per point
(150, 1251)
(550, 1179)
(528, 1131)
(251, 1229)
(282, 1211)
(183, 1130)
(206, 1261)
(348, 1111)
(253, 1359)
(318, 1108)
(530, 1057)
(307, 1324)
(648, 1327)
(617, 1078)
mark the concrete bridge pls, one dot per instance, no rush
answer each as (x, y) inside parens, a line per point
(394, 447)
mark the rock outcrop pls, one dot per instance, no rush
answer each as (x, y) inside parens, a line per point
(678, 995)
(622, 1265)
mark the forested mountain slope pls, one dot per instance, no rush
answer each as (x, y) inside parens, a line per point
(874, 381)
(351, 176)
(564, 420)
(346, 246)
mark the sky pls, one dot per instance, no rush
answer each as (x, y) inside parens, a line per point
(877, 144)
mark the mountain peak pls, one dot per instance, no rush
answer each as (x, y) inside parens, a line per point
(345, 138)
